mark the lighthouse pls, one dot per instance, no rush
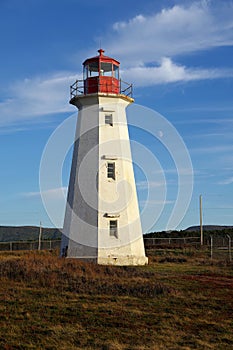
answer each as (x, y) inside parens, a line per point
(102, 220)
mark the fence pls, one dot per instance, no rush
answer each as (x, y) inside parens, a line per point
(54, 244)
(173, 241)
(220, 247)
(27, 245)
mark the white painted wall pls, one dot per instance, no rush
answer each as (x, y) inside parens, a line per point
(100, 143)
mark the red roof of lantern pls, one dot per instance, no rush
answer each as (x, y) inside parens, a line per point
(101, 58)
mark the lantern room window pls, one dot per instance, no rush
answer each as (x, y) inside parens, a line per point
(116, 71)
(91, 70)
(106, 69)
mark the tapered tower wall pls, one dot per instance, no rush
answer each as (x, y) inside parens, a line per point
(97, 200)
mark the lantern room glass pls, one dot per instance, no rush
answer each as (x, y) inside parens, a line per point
(116, 71)
(106, 69)
(91, 70)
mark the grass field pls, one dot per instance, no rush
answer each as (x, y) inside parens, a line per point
(181, 300)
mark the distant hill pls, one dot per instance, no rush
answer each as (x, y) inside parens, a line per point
(208, 228)
(192, 231)
(31, 233)
(27, 233)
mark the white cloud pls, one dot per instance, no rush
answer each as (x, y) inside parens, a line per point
(35, 97)
(173, 31)
(169, 72)
(147, 44)
(134, 21)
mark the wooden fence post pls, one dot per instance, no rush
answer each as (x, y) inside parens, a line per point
(211, 246)
(229, 246)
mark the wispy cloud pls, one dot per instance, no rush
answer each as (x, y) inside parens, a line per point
(53, 193)
(212, 149)
(227, 181)
(181, 171)
(209, 108)
(144, 185)
(156, 202)
(220, 121)
(33, 98)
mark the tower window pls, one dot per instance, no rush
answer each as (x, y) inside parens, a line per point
(111, 173)
(113, 228)
(108, 119)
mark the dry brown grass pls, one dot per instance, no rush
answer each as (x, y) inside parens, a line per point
(45, 270)
(176, 302)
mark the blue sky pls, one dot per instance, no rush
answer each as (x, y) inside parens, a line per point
(178, 55)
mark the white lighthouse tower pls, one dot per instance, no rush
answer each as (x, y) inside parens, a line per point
(102, 220)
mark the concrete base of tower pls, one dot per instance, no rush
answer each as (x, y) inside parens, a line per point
(123, 260)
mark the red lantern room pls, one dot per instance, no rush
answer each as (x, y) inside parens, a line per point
(101, 74)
